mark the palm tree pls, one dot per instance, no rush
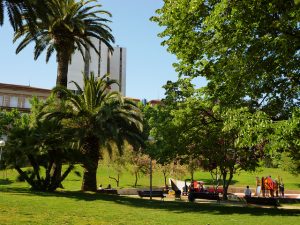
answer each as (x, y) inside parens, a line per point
(103, 118)
(16, 10)
(68, 25)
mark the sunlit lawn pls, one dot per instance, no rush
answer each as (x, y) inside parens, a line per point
(18, 205)
(73, 182)
(291, 182)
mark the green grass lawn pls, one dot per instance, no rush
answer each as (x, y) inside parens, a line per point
(19, 205)
(127, 179)
(73, 182)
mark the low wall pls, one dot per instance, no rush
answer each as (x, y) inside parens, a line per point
(134, 191)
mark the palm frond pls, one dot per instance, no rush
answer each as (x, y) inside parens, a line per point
(60, 26)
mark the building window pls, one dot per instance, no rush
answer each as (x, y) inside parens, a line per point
(27, 104)
(13, 101)
(1, 100)
(5, 100)
(21, 102)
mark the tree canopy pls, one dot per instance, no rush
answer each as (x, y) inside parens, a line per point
(39, 143)
(249, 51)
(63, 27)
(102, 118)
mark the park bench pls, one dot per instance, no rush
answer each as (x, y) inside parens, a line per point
(159, 194)
(203, 195)
(262, 201)
(108, 191)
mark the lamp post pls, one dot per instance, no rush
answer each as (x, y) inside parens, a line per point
(2, 144)
(150, 179)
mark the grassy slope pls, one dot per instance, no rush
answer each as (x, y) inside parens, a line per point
(20, 206)
(240, 180)
(73, 182)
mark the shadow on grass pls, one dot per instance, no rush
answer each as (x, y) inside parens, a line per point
(5, 182)
(173, 206)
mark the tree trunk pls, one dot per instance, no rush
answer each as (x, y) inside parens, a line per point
(165, 178)
(224, 175)
(90, 164)
(118, 181)
(57, 183)
(56, 168)
(63, 59)
(25, 177)
(229, 181)
(48, 171)
(89, 182)
(136, 179)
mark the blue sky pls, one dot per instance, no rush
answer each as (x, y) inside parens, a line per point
(149, 65)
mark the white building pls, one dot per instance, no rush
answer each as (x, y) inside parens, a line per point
(113, 64)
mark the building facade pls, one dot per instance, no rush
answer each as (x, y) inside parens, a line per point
(113, 64)
(18, 96)
(14, 96)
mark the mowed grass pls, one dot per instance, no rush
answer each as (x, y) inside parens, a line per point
(73, 182)
(242, 179)
(19, 205)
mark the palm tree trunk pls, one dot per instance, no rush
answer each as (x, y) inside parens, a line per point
(89, 182)
(90, 164)
(63, 58)
(56, 167)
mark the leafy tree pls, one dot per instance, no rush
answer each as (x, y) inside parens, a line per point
(286, 163)
(39, 143)
(277, 138)
(63, 27)
(101, 118)
(7, 120)
(198, 130)
(193, 165)
(173, 169)
(140, 165)
(119, 164)
(166, 170)
(66, 26)
(288, 137)
(247, 50)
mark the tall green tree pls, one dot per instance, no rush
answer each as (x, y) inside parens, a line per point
(191, 128)
(64, 27)
(102, 118)
(201, 127)
(38, 144)
(249, 51)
